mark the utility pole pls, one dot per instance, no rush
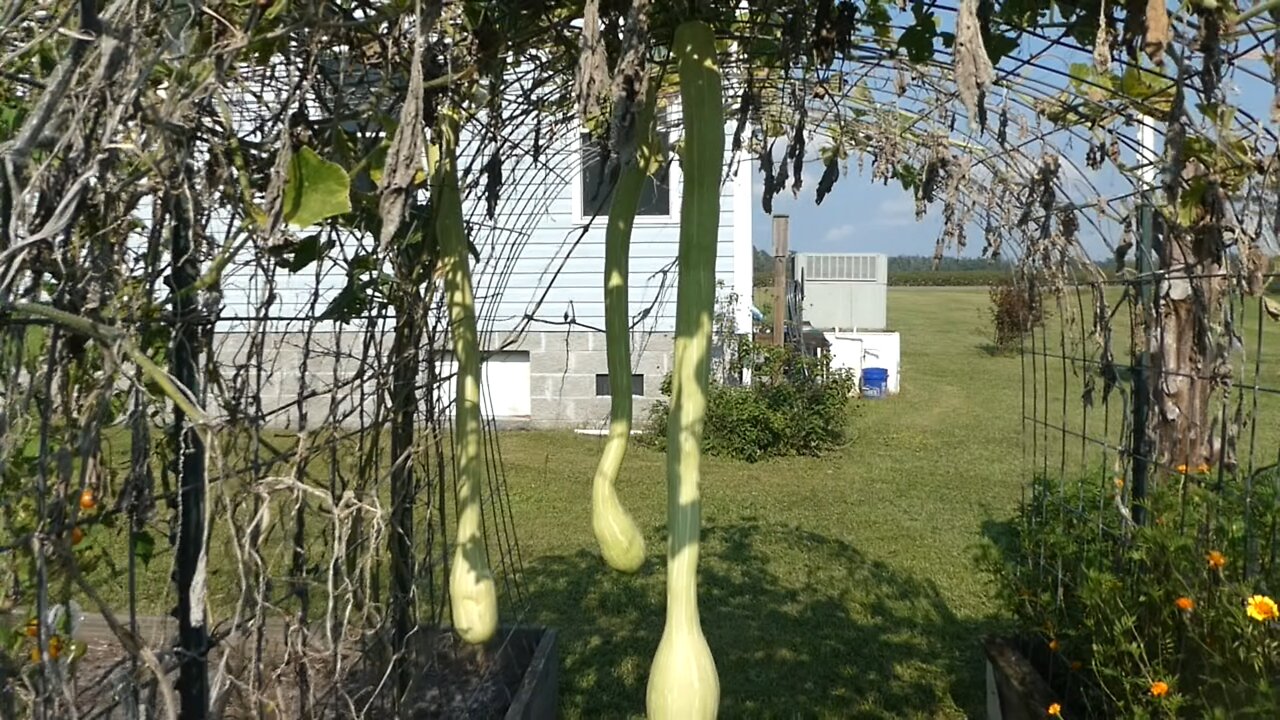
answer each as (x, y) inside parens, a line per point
(781, 239)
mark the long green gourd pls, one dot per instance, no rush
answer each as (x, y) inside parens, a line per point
(472, 592)
(683, 684)
(616, 532)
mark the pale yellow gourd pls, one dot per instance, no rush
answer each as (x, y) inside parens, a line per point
(683, 684)
(473, 594)
(620, 540)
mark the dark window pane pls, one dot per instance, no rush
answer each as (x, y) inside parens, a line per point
(602, 385)
(598, 182)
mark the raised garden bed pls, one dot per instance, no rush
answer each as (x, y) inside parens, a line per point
(514, 677)
(538, 696)
(1016, 689)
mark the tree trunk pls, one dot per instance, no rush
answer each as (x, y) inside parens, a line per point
(1189, 355)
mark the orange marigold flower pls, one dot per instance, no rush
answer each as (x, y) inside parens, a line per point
(1185, 604)
(1182, 469)
(1262, 608)
(1054, 645)
(1203, 469)
(1055, 710)
(1159, 688)
(1216, 559)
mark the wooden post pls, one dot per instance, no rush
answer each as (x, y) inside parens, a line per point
(781, 232)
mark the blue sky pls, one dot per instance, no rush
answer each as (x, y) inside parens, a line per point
(858, 216)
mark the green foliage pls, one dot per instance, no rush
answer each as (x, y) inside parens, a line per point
(315, 189)
(943, 278)
(1014, 312)
(795, 405)
(1123, 608)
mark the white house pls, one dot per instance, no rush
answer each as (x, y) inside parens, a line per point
(539, 292)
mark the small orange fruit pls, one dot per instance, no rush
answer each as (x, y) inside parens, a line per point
(33, 628)
(55, 647)
(77, 535)
(35, 654)
(87, 499)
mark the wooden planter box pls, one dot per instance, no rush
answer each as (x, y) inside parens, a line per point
(538, 695)
(1015, 689)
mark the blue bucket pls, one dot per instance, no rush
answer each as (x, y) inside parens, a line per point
(875, 382)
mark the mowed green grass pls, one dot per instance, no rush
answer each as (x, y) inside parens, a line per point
(841, 586)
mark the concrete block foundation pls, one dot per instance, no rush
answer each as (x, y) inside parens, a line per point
(350, 382)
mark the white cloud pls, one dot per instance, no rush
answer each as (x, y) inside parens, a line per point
(838, 233)
(896, 211)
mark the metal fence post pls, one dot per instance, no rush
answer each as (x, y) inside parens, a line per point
(193, 640)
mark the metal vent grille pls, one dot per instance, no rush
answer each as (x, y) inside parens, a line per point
(842, 267)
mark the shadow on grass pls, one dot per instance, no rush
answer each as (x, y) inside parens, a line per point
(801, 625)
(999, 351)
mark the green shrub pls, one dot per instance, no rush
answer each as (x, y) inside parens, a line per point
(795, 405)
(1150, 621)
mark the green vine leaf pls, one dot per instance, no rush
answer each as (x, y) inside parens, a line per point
(917, 41)
(315, 189)
(144, 546)
(1145, 88)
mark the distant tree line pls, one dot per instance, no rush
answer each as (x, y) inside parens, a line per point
(909, 270)
(923, 263)
(919, 271)
(761, 268)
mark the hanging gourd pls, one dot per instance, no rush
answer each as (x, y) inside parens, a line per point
(620, 540)
(473, 594)
(683, 684)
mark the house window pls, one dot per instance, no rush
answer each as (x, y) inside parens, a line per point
(599, 178)
(602, 385)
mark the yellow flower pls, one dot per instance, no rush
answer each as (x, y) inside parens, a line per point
(1182, 469)
(1216, 559)
(1262, 608)
(1159, 688)
(1185, 604)
(1119, 483)
(1054, 645)
(1055, 710)
(1203, 469)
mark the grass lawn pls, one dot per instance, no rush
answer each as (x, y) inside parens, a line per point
(841, 586)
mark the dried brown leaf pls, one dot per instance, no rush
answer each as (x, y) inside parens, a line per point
(1272, 307)
(1158, 34)
(404, 157)
(973, 68)
(1102, 43)
(591, 82)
